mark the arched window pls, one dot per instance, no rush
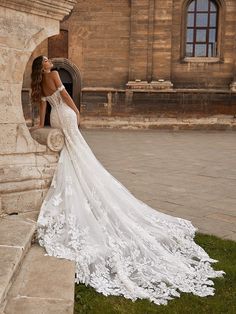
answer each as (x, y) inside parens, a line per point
(202, 26)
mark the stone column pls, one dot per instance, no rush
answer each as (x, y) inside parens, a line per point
(150, 41)
(233, 84)
(138, 40)
(150, 46)
(25, 166)
(162, 40)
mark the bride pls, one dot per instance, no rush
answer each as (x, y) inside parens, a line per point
(120, 245)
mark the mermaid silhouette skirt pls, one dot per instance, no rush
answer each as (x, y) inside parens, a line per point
(120, 245)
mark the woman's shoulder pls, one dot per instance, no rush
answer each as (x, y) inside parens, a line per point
(56, 78)
(54, 73)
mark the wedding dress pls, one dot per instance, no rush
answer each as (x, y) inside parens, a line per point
(120, 245)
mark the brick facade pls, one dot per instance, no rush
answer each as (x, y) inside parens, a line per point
(115, 42)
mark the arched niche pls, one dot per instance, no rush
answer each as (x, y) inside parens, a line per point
(23, 26)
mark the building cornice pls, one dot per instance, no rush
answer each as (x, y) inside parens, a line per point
(54, 9)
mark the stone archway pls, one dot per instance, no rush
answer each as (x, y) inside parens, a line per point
(61, 64)
(24, 24)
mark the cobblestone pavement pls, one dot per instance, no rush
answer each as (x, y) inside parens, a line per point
(189, 174)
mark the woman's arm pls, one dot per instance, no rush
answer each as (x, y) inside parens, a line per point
(66, 97)
(42, 113)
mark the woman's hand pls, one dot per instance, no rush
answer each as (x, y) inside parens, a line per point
(36, 127)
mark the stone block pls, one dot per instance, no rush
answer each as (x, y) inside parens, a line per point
(47, 296)
(29, 216)
(10, 109)
(16, 160)
(8, 134)
(46, 159)
(15, 138)
(18, 173)
(9, 260)
(47, 271)
(23, 186)
(23, 305)
(1, 210)
(22, 201)
(16, 232)
(12, 59)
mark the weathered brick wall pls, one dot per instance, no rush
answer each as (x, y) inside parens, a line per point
(162, 40)
(150, 39)
(113, 42)
(138, 59)
(164, 104)
(185, 103)
(99, 41)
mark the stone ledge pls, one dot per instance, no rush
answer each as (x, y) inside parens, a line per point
(23, 265)
(10, 260)
(53, 138)
(54, 9)
(161, 84)
(141, 89)
(54, 291)
(24, 201)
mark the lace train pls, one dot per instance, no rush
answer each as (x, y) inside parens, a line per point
(121, 245)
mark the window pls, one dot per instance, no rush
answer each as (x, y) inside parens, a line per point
(201, 30)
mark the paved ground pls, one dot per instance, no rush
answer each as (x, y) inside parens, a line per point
(189, 174)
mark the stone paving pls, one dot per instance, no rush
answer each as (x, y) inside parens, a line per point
(189, 174)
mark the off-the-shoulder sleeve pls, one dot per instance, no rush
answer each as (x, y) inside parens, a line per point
(60, 88)
(43, 98)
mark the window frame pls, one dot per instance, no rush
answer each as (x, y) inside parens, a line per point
(219, 29)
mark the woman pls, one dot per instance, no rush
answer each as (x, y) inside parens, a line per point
(120, 245)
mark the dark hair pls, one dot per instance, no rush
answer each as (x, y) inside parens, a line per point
(36, 79)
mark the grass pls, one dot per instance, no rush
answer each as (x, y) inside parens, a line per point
(88, 301)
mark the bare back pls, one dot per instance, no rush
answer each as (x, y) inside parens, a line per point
(48, 84)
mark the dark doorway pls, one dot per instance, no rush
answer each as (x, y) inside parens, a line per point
(67, 82)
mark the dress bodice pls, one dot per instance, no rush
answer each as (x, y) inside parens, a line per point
(55, 97)
(62, 116)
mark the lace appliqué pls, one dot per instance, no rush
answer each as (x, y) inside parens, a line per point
(119, 267)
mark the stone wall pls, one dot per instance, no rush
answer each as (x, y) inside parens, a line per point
(98, 38)
(195, 103)
(26, 166)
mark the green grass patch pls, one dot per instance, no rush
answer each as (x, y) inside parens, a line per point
(88, 301)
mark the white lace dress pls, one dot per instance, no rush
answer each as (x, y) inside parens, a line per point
(121, 245)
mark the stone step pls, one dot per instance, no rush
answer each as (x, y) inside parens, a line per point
(16, 235)
(44, 285)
